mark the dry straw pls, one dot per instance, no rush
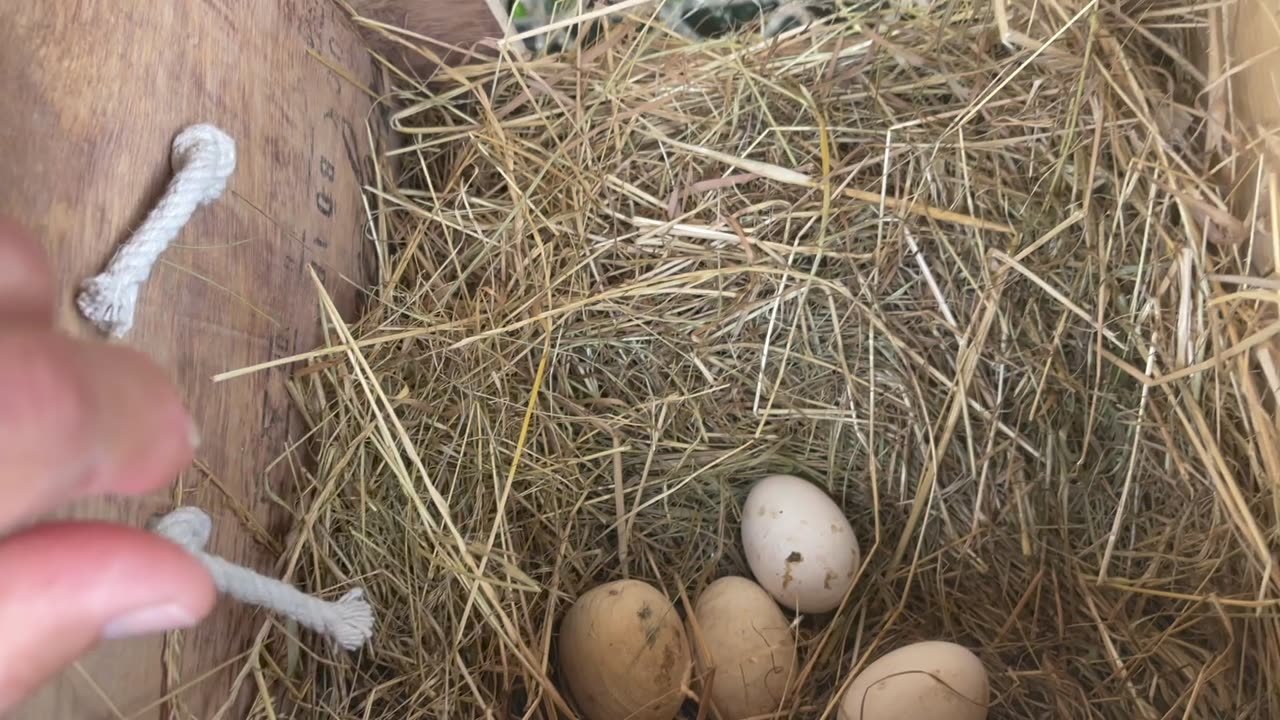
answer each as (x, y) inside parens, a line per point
(964, 284)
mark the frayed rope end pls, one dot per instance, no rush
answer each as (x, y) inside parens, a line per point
(352, 622)
(109, 303)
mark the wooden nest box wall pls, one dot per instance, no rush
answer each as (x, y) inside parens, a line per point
(94, 94)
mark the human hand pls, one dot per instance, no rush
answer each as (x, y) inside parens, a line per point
(79, 419)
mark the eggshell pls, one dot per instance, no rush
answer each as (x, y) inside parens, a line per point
(923, 681)
(749, 644)
(799, 544)
(624, 653)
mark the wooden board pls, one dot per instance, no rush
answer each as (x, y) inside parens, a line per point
(1253, 52)
(93, 96)
(1239, 51)
(1253, 48)
(457, 25)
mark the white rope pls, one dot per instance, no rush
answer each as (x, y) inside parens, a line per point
(349, 621)
(203, 157)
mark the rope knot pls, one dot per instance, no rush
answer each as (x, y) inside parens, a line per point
(187, 526)
(205, 146)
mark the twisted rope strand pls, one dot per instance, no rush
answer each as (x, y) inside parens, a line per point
(349, 621)
(203, 158)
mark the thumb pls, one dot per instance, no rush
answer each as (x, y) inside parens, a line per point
(66, 586)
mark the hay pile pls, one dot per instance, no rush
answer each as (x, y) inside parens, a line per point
(963, 285)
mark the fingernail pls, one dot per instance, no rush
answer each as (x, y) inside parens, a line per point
(148, 621)
(193, 434)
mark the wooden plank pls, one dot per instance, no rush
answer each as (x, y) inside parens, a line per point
(1239, 52)
(1253, 51)
(94, 93)
(457, 25)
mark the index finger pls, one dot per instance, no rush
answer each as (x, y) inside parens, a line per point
(81, 418)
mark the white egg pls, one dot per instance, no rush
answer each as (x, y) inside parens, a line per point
(799, 544)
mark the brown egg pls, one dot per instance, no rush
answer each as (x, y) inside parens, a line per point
(924, 681)
(750, 646)
(624, 654)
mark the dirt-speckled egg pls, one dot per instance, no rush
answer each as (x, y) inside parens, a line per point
(748, 642)
(799, 544)
(624, 653)
(925, 681)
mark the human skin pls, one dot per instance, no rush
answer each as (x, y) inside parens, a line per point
(79, 419)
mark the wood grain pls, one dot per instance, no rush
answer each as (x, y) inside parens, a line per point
(94, 94)
(1253, 52)
(454, 32)
(1238, 49)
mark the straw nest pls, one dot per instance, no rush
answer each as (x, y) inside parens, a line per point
(967, 286)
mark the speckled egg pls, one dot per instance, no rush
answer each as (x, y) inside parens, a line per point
(624, 653)
(924, 681)
(800, 546)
